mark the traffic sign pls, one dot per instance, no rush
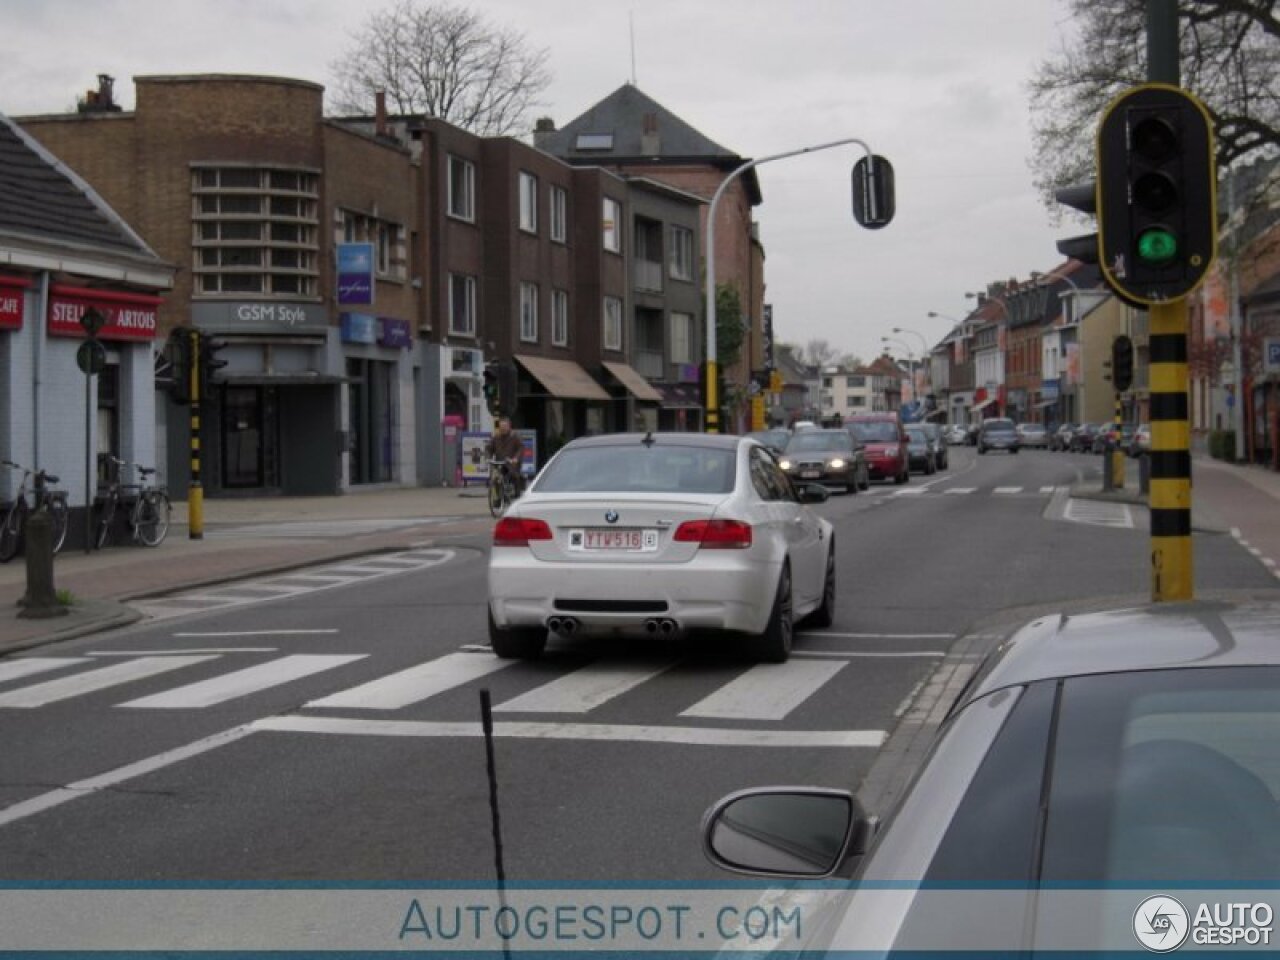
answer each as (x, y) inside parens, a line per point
(92, 320)
(92, 357)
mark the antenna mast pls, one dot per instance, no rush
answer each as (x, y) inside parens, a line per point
(631, 16)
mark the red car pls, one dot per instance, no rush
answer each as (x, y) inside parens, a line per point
(885, 442)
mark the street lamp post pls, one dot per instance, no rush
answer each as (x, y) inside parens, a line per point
(911, 363)
(713, 401)
(924, 358)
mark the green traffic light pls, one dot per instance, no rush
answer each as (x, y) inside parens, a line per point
(1157, 246)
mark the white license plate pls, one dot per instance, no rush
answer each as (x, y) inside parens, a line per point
(810, 474)
(633, 540)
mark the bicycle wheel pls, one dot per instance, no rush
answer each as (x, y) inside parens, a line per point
(497, 496)
(152, 518)
(104, 525)
(58, 516)
(11, 530)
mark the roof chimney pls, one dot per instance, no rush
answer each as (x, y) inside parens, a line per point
(380, 113)
(542, 131)
(650, 142)
(100, 100)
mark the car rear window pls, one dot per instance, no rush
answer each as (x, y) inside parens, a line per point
(874, 431)
(639, 468)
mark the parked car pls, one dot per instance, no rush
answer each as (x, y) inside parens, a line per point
(885, 443)
(1129, 751)
(1060, 439)
(658, 534)
(828, 457)
(1082, 438)
(1140, 442)
(998, 433)
(1033, 435)
(939, 444)
(1109, 436)
(776, 439)
(956, 434)
(920, 450)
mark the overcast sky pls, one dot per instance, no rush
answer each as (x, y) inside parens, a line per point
(937, 86)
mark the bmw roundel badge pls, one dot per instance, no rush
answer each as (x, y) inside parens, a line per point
(611, 516)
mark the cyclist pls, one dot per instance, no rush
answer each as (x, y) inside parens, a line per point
(506, 445)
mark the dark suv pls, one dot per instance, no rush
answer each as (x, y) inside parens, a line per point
(998, 433)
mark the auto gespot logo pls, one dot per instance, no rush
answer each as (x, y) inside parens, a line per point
(1162, 924)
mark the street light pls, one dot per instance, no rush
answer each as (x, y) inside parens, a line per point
(924, 359)
(911, 363)
(713, 402)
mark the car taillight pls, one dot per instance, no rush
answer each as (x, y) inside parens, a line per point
(715, 534)
(518, 531)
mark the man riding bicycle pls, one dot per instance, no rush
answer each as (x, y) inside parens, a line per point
(507, 446)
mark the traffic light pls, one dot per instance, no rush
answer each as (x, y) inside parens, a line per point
(1121, 363)
(1156, 190)
(1082, 197)
(210, 362)
(491, 388)
(507, 389)
(174, 373)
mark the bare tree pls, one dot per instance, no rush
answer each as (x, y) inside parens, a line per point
(443, 61)
(819, 353)
(1229, 57)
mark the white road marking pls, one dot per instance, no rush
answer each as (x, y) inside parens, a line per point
(91, 681)
(769, 691)
(855, 654)
(172, 653)
(27, 666)
(585, 689)
(602, 732)
(1007, 490)
(1048, 489)
(960, 490)
(910, 492)
(81, 788)
(882, 636)
(254, 633)
(241, 683)
(1099, 513)
(414, 684)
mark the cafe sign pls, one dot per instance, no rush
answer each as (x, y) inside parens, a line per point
(11, 301)
(126, 316)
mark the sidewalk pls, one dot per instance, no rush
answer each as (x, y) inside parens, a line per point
(270, 534)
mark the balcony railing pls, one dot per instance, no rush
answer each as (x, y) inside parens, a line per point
(648, 275)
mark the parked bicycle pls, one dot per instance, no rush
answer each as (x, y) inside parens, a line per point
(502, 487)
(13, 522)
(148, 506)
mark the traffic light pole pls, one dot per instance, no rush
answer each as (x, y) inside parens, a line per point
(1170, 497)
(712, 398)
(195, 492)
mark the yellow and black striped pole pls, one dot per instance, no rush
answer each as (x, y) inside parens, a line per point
(1117, 452)
(1170, 496)
(195, 492)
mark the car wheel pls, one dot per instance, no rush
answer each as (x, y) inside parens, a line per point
(866, 480)
(825, 615)
(930, 468)
(903, 477)
(516, 643)
(774, 645)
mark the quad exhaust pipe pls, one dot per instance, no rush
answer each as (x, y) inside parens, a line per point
(664, 626)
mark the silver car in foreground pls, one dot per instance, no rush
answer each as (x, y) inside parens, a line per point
(661, 534)
(1132, 750)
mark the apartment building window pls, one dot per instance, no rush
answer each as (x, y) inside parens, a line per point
(682, 338)
(462, 189)
(560, 318)
(255, 230)
(559, 214)
(529, 312)
(612, 225)
(612, 323)
(528, 202)
(855, 400)
(681, 267)
(462, 305)
(390, 255)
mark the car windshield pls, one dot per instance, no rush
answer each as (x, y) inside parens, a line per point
(640, 468)
(994, 426)
(824, 440)
(874, 431)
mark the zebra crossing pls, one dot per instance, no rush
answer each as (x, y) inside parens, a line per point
(760, 693)
(911, 492)
(275, 587)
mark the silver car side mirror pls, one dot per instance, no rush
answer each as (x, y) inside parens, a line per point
(783, 831)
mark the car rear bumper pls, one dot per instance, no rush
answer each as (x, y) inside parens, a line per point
(714, 592)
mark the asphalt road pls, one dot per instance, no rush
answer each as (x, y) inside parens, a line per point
(332, 735)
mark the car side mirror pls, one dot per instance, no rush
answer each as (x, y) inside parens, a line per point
(786, 831)
(812, 493)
